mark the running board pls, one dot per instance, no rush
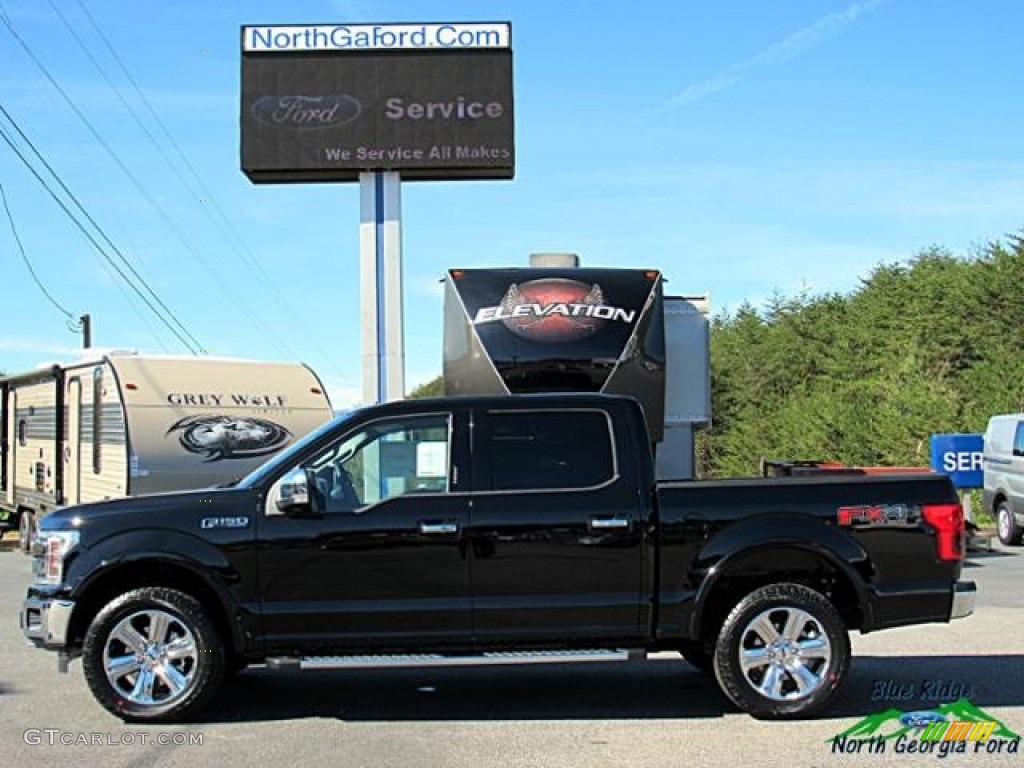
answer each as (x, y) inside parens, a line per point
(441, 660)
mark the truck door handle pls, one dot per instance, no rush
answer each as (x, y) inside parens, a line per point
(609, 523)
(439, 528)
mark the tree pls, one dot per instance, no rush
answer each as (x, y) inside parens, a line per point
(925, 347)
(432, 388)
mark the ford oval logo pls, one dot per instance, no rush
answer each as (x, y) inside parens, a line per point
(299, 111)
(921, 719)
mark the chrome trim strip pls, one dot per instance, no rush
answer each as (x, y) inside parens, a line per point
(999, 462)
(484, 659)
(438, 528)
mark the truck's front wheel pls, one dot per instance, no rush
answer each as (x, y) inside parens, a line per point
(782, 652)
(153, 655)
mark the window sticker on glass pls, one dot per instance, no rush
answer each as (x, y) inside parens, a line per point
(432, 459)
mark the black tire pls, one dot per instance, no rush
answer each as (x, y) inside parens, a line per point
(1009, 532)
(809, 647)
(699, 655)
(26, 531)
(181, 623)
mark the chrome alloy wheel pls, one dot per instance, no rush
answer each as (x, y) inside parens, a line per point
(150, 658)
(784, 654)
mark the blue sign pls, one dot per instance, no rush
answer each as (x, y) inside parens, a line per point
(959, 456)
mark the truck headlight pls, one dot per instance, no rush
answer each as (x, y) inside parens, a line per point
(50, 549)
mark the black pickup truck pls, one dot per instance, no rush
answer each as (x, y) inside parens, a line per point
(491, 530)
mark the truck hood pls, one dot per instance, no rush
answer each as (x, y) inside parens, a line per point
(129, 512)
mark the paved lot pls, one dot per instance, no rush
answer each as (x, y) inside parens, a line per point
(658, 713)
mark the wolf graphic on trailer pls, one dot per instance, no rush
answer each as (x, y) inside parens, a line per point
(122, 424)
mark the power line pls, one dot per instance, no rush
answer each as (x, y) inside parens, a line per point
(90, 238)
(139, 311)
(24, 257)
(176, 231)
(14, 33)
(131, 110)
(231, 235)
(101, 231)
(182, 238)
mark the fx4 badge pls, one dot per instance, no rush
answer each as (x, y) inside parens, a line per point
(878, 514)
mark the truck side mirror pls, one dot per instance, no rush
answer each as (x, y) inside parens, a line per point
(294, 494)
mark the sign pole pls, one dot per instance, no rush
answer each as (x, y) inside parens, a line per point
(380, 282)
(377, 103)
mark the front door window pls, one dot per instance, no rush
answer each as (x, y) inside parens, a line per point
(384, 459)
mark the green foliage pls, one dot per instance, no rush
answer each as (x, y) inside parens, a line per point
(935, 345)
(432, 388)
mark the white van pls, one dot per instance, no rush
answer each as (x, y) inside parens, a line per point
(1004, 475)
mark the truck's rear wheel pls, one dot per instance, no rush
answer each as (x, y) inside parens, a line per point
(782, 652)
(153, 655)
(1009, 532)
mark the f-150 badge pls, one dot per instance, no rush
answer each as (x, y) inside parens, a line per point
(207, 523)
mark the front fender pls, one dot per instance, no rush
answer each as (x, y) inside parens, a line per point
(203, 561)
(134, 546)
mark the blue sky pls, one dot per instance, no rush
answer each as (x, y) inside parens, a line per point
(741, 147)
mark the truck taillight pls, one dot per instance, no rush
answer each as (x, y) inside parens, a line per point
(948, 522)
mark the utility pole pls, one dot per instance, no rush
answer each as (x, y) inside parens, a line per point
(86, 321)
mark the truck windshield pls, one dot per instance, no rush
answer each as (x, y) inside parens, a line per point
(284, 458)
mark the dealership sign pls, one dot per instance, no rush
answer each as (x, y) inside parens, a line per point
(384, 37)
(960, 457)
(327, 102)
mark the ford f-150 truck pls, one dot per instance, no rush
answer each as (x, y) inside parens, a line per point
(491, 530)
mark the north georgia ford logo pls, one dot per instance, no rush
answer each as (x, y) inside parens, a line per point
(553, 310)
(229, 437)
(306, 111)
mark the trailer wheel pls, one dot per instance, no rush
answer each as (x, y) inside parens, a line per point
(153, 655)
(1009, 532)
(26, 530)
(782, 652)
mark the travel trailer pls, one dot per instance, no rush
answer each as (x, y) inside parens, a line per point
(558, 327)
(122, 424)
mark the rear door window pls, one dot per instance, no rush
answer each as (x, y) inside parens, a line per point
(539, 450)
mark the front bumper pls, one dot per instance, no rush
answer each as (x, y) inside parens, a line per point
(45, 621)
(964, 595)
